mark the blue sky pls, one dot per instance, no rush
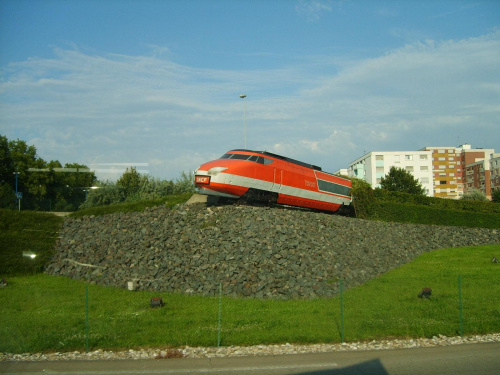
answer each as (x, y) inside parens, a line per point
(156, 84)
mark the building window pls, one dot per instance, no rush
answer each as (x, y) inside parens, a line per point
(408, 157)
(409, 168)
(424, 168)
(423, 157)
(379, 157)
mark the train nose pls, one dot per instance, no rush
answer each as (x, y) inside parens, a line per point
(203, 176)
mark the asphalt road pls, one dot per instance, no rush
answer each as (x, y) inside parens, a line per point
(468, 359)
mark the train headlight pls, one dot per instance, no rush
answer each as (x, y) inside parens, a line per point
(215, 170)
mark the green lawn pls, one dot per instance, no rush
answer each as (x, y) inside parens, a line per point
(46, 313)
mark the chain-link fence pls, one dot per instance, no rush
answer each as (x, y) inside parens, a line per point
(451, 305)
(78, 316)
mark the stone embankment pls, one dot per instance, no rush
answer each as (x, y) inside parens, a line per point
(256, 252)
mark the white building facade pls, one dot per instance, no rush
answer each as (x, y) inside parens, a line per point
(373, 166)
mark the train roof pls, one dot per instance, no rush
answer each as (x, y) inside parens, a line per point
(290, 160)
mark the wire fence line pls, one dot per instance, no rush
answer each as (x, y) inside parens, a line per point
(453, 305)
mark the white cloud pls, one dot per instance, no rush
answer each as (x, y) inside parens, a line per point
(312, 10)
(98, 108)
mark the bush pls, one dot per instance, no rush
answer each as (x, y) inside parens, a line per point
(133, 187)
(362, 197)
(419, 214)
(475, 195)
(495, 196)
(441, 203)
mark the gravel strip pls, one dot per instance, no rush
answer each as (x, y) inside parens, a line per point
(257, 350)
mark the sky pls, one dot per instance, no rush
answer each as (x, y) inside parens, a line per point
(156, 84)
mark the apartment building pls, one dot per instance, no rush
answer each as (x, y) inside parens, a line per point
(449, 166)
(478, 177)
(495, 171)
(373, 166)
(447, 170)
(484, 175)
(442, 171)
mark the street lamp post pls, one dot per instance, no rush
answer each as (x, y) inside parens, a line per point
(243, 96)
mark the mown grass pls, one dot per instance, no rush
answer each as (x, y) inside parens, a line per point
(47, 313)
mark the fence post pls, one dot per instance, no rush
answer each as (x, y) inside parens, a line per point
(87, 325)
(341, 312)
(219, 327)
(460, 307)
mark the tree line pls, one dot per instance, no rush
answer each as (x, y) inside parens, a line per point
(51, 186)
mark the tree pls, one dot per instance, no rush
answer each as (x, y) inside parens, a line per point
(7, 177)
(400, 180)
(18, 156)
(6, 163)
(42, 186)
(130, 182)
(69, 188)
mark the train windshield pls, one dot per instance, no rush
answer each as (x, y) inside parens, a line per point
(254, 158)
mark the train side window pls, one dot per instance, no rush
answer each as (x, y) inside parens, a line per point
(334, 188)
(225, 156)
(267, 161)
(253, 158)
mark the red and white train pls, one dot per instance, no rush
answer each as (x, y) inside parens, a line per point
(264, 176)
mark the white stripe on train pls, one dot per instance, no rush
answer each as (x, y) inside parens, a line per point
(231, 179)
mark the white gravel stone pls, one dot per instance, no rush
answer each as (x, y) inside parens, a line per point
(239, 351)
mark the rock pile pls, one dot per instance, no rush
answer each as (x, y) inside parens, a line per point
(257, 252)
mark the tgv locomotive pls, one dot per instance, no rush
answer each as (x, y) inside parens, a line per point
(267, 177)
